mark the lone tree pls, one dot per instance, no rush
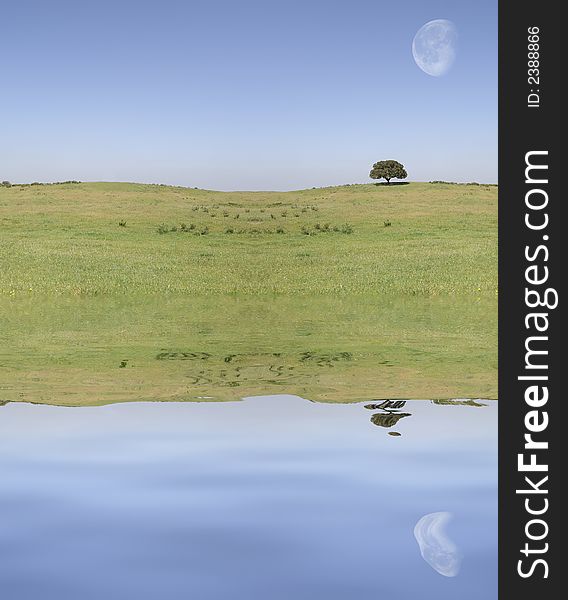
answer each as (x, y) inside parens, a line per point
(388, 169)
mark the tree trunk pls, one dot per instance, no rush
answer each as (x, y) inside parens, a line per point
(388, 180)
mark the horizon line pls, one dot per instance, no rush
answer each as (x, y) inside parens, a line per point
(189, 187)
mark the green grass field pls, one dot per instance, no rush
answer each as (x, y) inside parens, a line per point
(117, 292)
(66, 239)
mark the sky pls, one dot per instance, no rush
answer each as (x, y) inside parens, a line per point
(247, 95)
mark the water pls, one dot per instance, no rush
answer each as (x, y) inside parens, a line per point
(269, 498)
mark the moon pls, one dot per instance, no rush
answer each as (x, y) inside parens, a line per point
(435, 546)
(434, 47)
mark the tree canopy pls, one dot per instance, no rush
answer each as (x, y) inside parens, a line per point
(388, 169)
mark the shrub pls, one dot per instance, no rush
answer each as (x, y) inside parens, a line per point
(323, 228)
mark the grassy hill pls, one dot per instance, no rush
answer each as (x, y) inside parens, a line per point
(420, 238)
(118, 292)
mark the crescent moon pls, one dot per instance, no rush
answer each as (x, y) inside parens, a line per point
(434, 47)
(435, 546)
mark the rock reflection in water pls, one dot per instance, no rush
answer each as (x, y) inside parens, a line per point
(388, 419)
(389, 416)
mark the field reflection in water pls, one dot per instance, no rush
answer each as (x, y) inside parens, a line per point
(273, 497)
(87, 351)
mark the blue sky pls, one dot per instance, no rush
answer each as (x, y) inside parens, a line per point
(243, 95)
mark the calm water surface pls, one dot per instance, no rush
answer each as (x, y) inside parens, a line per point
(269, 498)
